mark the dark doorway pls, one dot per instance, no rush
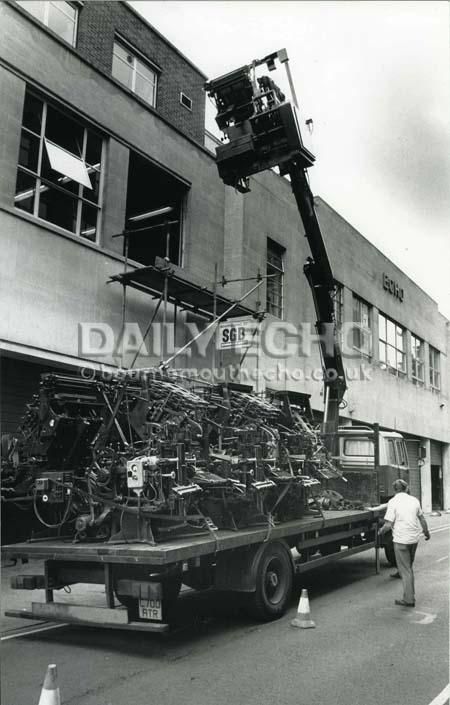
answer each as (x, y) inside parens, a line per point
(436, 487)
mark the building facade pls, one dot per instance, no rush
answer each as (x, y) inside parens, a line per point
(103, 124)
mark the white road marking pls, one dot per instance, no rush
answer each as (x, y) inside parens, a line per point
(34, 631)
(436, 531)
(442, 698)
(428, 617)
(439, 560)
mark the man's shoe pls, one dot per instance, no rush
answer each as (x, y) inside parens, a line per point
(395, 575)
(403, 603)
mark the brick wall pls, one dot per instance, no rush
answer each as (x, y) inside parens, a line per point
(98, 23)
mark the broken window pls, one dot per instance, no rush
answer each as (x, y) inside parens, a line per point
(158, 230)
(59, 173)
(61, 17)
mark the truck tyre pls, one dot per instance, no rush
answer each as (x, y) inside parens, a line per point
(273, 584)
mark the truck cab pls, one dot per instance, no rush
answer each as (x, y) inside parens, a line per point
(370, 461)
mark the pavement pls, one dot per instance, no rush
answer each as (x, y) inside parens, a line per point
(364, 650)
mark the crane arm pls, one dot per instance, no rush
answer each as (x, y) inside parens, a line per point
(320, 278)
(263, 132)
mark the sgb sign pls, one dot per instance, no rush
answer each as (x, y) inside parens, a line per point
(236, 334)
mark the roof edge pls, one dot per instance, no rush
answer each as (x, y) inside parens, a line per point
(129, 7)
(375, 247)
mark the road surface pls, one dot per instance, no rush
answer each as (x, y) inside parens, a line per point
(364, 650)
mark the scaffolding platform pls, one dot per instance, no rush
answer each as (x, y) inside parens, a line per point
(183, 292)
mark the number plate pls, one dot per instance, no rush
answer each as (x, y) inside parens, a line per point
(150, 609)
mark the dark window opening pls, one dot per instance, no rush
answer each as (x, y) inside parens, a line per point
(151, 189)
(436, 487)
(275, 274)
(64, 131)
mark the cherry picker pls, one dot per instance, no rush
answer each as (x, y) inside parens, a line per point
(262, 132)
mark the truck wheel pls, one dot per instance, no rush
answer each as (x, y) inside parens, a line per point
(273, 584)
(390, 554)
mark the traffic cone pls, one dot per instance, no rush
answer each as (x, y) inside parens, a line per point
(303, 619)
(50, 691)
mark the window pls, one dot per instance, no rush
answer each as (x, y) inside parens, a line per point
(359, 447)
(417, 358)
(397, 452)
(59, 172)
(151, 191)
(401, 453)
(339, 305)
(61, 17)
(392, 456)
(274, 283)
(392, 347)
(435, 368)
(134, 73)
(362, 333)
(184, 100)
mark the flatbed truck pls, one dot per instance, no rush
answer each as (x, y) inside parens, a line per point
(142, 581)
(258, 562)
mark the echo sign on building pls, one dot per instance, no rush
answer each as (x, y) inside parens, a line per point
(392, 287)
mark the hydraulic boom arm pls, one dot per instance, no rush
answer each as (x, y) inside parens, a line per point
(263, 132)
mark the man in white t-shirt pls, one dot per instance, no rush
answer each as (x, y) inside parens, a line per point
(405, 518)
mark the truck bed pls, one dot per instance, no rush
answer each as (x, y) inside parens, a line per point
(183, 548)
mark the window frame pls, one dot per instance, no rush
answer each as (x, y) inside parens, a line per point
(392, 452)
(276, 310)
(42, 183)
(137, 57)
(45, 20)
(188, 107)
(370, 442)
(180, 203)
(400, 451)
(434, 356)
(417, 360)
(338, 301)
(359, 326)
(384, 341)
